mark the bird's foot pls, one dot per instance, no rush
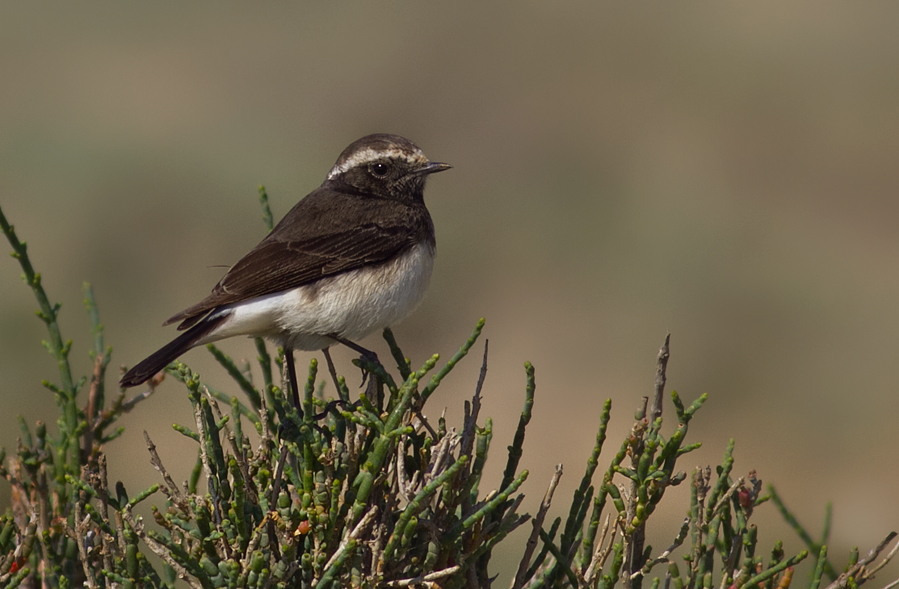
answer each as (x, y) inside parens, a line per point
(366, 356)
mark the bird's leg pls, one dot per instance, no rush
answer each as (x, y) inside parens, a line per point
(292, 374)
(365, 352)
(372, 389)
(333, 372)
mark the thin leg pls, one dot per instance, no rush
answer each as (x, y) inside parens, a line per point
(364, 352)
(294, 387)
(355, 347)
(372, 389)
(333, 372)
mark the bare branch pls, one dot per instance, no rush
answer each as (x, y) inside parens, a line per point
(525, 563)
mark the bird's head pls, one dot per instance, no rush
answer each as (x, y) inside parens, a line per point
(383, 165)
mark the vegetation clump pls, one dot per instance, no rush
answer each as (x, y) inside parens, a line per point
(364, 493)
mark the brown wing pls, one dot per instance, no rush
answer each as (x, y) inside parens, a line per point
(326, 233)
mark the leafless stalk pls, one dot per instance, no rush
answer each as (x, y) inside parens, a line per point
(80, 534)
(469, 424)
(93, 406)
(604, 555)
(727, 495)
(655, 410)
(531, 545)
(424, 580)
(158, 548)
(860, 572)
(128, 405)
(355, 533)
(176, 495)
(663, 557)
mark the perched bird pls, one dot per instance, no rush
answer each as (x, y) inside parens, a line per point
(352, 257)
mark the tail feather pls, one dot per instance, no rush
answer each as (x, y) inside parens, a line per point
(158, 360)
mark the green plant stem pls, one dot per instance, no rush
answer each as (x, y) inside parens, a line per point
(765, 575)
(267, 218)
(67, 391)
(803, 534)
(461, 353)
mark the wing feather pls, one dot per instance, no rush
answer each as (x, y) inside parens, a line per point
(326, 233)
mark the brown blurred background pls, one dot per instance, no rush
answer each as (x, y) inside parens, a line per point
(725, 172)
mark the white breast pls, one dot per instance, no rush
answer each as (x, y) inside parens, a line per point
(352, 305)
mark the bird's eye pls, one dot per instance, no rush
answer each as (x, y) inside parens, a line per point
(379, 170)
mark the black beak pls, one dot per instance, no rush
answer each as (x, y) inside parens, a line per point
(432, 168)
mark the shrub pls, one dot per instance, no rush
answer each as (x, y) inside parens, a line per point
(362, 494)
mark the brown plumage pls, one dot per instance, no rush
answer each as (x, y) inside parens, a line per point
(363, 243)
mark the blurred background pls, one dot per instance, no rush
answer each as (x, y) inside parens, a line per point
(726, 173)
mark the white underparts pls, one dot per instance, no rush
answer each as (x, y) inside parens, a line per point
(351, 305)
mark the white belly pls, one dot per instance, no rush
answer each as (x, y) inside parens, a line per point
(351, 305)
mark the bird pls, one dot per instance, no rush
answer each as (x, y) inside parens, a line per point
(352, 257)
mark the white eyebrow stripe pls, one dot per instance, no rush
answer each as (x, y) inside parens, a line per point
(370, 155)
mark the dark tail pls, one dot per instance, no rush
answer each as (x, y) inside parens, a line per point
(156, 362)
